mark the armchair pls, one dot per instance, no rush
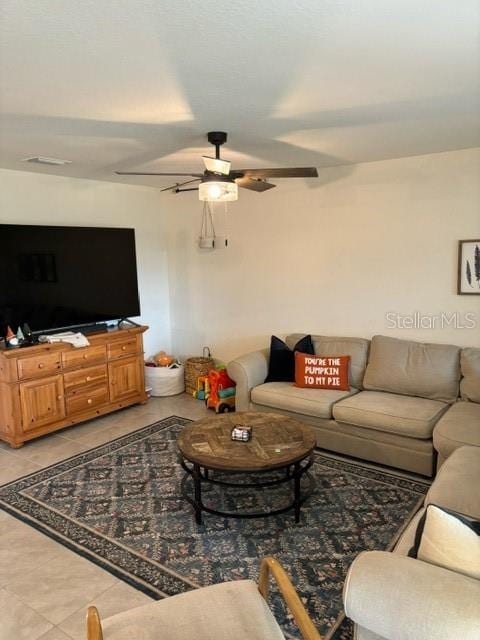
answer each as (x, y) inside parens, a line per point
(236, 609)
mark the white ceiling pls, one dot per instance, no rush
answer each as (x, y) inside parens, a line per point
(136, 84)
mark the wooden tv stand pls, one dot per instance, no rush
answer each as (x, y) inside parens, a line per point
(46, 387)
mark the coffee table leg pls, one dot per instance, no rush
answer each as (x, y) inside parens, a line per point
(296, 490)
(198, 493)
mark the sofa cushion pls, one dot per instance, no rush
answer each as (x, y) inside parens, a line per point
(449, 540)
(356, 348)
(310, 402)
(322, 372)
(413, 368)
(403, 415)
(459, 426)
(470, 367)
(222, 611)
(281, 364)
(457, 482)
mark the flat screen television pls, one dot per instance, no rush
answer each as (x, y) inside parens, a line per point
(63, 277)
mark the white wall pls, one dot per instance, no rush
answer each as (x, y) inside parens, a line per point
(335, 258)
(32, 198)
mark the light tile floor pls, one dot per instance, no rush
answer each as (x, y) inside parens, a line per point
(45, 589)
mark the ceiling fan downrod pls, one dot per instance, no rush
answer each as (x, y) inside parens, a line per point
(217, 138)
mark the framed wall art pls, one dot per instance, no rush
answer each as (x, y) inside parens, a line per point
(468, 267)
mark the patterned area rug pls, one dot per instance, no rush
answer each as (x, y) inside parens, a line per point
(120, 506)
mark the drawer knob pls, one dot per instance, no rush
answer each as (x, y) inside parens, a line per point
(124, 348)
(87, 379)
(85, 356)
(59, 397)
(89, 401)
(41, 365)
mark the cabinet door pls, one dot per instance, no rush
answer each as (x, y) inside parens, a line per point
(42, 402)
(126, 378)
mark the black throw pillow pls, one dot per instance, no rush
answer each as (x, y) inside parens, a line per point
(282, 359)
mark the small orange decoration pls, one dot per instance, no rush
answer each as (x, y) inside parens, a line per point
(163, 360)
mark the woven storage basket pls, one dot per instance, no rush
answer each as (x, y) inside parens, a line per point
(194, 368)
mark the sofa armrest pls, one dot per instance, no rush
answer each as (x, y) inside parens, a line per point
(401, 598)
(248, 371)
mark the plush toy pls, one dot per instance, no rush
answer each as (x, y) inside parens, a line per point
(162, 359)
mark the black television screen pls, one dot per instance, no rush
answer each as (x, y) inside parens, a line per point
(58, 277)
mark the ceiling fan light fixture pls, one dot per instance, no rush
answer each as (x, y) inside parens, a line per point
(218, 191)
(218, 183)
(215, 165)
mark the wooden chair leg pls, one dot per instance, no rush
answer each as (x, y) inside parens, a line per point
(270, 566)
(94, 626)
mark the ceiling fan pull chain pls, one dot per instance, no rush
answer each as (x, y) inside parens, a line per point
(207, 236)
(210, 214)
(226, 223)
(203, 221)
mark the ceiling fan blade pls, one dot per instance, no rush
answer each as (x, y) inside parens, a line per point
(179, 184)
(254, 184)
(284, 172)
(147, 173)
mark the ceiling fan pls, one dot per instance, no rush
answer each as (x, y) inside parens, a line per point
(219, 183)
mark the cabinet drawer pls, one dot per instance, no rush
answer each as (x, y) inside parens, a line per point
(123, 348)
(94, 397)
(77, 380)
(38, 365)
(78, 357)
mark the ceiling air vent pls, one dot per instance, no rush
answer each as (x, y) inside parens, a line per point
(46, 160)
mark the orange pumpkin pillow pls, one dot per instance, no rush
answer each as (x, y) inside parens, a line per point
(321, 372)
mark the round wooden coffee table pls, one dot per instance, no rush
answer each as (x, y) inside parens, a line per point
(277, 443)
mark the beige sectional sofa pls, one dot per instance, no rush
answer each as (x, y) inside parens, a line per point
(461, 424)
(404, 399)
(391, 596)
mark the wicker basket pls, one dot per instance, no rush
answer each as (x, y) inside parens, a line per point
(194, 368)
